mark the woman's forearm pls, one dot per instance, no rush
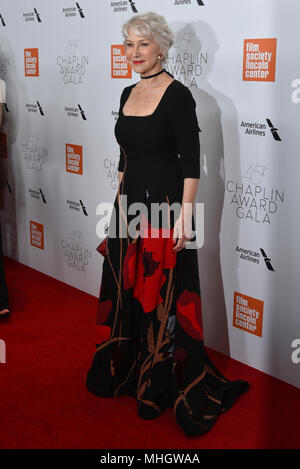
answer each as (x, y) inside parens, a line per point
(190, 189)
(189, 194)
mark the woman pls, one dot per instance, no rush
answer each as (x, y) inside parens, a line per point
(149, 329)
(4, 303)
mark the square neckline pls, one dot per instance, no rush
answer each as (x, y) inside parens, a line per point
(148, 115)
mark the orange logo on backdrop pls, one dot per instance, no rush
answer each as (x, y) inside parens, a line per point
(259, 59)
(120, 68)
(36, 235)
(3, 146)
(73, 158)
(248, 313)
(31, 57)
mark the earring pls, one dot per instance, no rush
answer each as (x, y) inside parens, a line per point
(159, 57)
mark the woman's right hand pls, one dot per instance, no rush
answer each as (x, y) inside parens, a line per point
(182, 232)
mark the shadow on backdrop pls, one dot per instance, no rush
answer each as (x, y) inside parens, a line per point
(191, 60)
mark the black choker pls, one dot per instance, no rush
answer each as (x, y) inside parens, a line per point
(155, 74)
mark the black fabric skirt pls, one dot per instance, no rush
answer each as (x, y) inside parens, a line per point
(149, 335)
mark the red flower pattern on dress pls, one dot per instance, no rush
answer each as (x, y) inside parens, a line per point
(103, 248)
(129, 267)
(104, 309)
(189, 314)
(144, 263)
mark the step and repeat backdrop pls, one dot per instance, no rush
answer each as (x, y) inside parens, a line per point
(64, 67)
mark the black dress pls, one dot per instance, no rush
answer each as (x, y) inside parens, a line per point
(149, 340)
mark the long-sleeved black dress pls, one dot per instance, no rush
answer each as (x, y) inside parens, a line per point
(149, 340)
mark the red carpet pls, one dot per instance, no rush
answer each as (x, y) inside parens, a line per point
(44, 402)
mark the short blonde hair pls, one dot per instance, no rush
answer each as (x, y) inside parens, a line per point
(150, 25)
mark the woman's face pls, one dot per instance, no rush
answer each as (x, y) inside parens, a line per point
(142, 53)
